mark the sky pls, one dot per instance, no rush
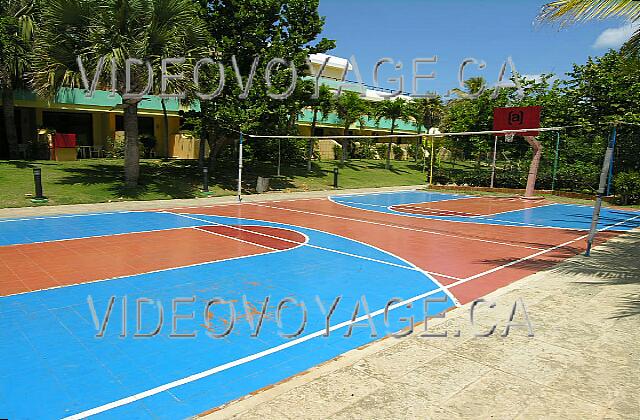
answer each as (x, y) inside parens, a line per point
(454, 30)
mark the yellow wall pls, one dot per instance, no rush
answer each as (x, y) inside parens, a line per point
(104, 126)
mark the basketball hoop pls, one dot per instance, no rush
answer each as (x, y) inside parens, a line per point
(509, 137)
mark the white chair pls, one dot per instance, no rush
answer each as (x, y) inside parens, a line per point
(96, 151)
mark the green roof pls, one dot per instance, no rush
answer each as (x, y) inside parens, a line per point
(370, 123)
(100, 98)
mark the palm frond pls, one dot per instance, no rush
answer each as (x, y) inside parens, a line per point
(632, 46)
(571, 11)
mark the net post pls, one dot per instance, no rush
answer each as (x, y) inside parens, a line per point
(614, 133)
(493, 164)
(240, 169)
(433, 141)
(606, 165)
(555, 162)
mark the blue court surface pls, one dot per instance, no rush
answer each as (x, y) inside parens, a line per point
(54, 364)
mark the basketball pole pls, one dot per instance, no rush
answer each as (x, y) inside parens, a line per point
(493, 164)
(533, 168)
(240, 170)
(606, 166)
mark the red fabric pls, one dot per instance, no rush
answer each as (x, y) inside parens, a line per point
(61, 140)
(517, 119)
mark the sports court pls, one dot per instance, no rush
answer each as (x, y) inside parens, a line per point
(393, 248)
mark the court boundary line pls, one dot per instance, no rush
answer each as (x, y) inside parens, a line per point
(149, 272)
(236, 239)
(537, 254)
(484, 217)
(515, 224)
(396, 226)
(96, 236)
(441, 218)
(63, 216)
(430, 273)
(272, 350)
(241, 361)
(473, 215)
(410, 267)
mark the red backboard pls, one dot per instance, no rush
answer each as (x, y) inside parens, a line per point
(517, 119)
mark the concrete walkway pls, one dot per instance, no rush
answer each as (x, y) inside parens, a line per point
(582, 362)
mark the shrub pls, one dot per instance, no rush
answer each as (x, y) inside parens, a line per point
(412, 151)
(627, 187)
(364, 151)
(398, 152)
(337, 151)
(381, 150)
(114, 148)
(148, 143)
(38, 148)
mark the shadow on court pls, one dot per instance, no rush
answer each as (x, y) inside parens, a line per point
(625, 272)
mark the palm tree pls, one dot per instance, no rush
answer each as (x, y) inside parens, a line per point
(148, 30)
(393, 110)
(350, 108)
(16, 34)
(426, 113)
(572, 11)
(473, 87)
(323, 104)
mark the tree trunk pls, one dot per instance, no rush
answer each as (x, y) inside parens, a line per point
(215, 145)
(310, 141)
(388, 163)
(165, 133)
(132, 148)
(418, 145)
(533, 169)
(345, 144)
(201, 149)
(8, 110)
(212, 140)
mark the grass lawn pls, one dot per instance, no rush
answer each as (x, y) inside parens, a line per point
(100, 180)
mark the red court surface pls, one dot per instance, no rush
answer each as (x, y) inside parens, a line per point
(38, 266)
(403, 247)
(473, 259)
(470, 207)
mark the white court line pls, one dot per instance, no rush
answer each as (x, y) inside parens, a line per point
(513, 211)
(238, 362)
(143, 273)
(394, 226)
(64, 216)
(235, 239)
(507, 223)
(284, 346)
(537, 254)
(426, 210)
(409, 205)
(235, 204)
(411, 268)
(97, 236)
